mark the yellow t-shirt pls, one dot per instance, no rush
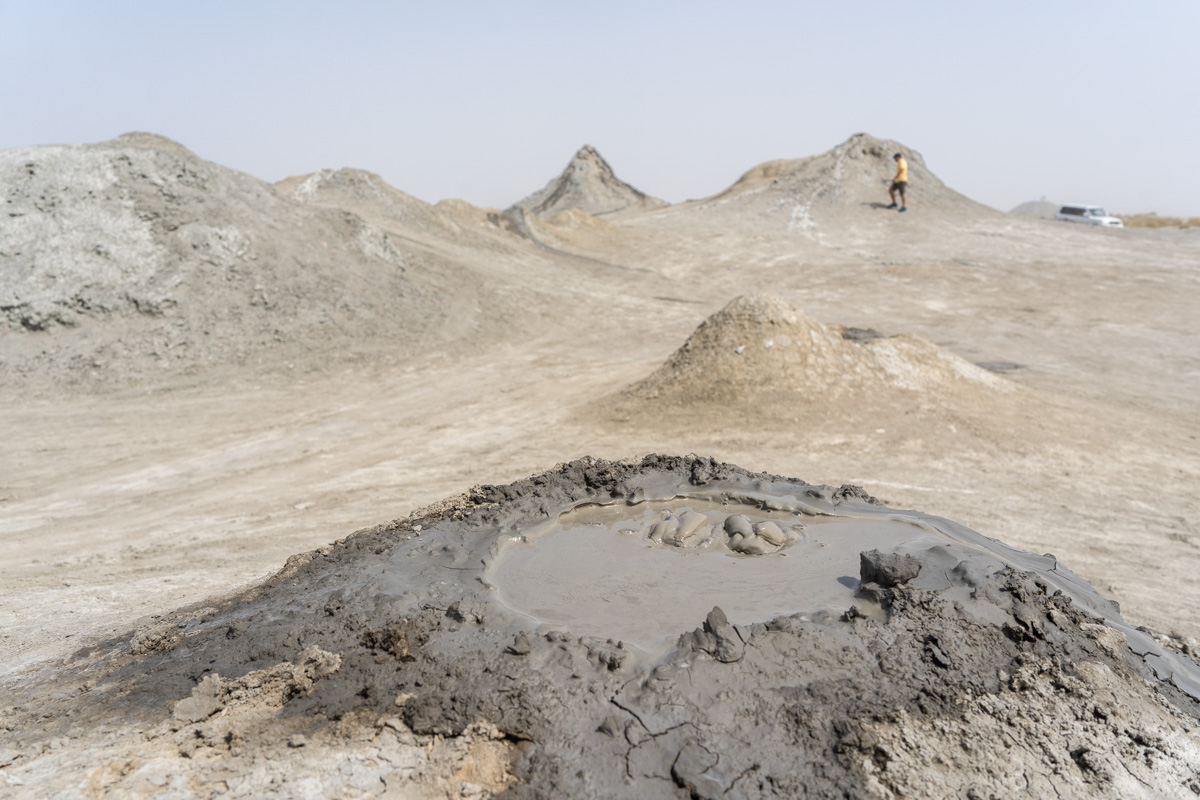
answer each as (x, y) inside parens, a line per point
(901, 170)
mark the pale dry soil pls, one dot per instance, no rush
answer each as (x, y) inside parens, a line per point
(121, 505)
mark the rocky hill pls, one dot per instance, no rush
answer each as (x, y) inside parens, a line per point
(124, 259)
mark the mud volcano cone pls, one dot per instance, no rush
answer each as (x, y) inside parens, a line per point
(760, 356)
(587, 184)
(806, 193)
(669, 628)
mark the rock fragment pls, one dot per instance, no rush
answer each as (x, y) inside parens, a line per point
(717, 637)
(204, 701)
(520, 645)
(887, 569)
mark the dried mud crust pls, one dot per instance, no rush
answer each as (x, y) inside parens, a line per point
(134, 260)
(380, 664)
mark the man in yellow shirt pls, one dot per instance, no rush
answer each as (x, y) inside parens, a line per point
(899, 183)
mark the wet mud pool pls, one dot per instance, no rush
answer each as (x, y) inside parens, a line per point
(625, 572)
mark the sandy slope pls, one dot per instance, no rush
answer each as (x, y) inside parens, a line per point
(133, 500)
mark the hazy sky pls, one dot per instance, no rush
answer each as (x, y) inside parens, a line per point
(1094, 102)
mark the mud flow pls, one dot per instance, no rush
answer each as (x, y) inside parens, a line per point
(643, 573)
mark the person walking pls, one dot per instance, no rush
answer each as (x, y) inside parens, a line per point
(899, 183)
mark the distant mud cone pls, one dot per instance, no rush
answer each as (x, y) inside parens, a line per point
(587, 184)
(152, 141)
(759, 351)
(362, 192)
(1036, 208)
(837, 195)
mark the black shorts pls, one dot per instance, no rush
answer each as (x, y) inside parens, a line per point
(900, 186)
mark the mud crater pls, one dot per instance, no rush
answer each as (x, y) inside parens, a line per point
(642, 573)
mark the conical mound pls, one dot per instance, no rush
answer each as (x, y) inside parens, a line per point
(842, 191)
(587, 184)
(760, 350)
(673, 627)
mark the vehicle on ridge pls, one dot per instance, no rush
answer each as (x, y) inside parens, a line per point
(1088, 215)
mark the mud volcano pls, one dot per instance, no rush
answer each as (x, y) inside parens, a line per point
(671, 628)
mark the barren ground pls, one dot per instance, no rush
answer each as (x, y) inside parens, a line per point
(124, 504)
(119, 504)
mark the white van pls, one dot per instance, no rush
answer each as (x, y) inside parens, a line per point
(1088, 215)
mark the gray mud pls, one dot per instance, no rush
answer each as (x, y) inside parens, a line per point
(623, 571)
(601, 630)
